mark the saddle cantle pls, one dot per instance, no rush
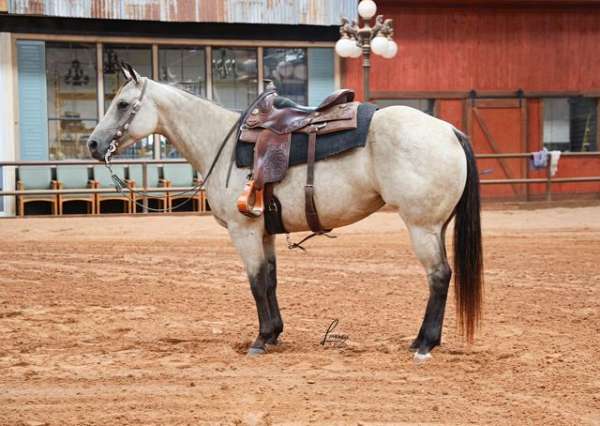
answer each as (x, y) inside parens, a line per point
(269, 126)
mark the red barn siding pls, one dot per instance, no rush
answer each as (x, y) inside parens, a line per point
(451, 110)
(458, 49)
(450, 49)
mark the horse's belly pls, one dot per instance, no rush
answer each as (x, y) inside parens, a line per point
(343, 187)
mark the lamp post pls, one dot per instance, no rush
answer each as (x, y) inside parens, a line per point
(356, 41)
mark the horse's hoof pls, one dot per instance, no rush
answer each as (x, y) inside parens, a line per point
(274, 342)
(421, 358)
(256, 351)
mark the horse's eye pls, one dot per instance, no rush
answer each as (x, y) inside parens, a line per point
(123, 105)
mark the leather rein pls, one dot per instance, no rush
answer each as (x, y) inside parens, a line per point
(120, 184)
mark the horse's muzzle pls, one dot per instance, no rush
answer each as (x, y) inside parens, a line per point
(93, 148)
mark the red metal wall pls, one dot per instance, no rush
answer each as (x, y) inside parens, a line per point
(487, 48)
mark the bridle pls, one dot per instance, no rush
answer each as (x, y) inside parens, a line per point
(120, 184)
(124, 126)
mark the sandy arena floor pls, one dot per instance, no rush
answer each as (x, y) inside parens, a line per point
(146, 320)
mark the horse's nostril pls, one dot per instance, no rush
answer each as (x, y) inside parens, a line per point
(93, 144)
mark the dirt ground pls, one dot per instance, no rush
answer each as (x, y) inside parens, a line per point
(120, 320)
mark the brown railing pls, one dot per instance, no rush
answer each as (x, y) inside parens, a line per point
(53, 164)
(548, 180)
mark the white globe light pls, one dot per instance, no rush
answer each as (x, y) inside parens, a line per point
(356, 51)
(367, 9)
(344, 47)
(379, 45)
(392, 49)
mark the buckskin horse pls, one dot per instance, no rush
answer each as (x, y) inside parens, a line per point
(421, 166)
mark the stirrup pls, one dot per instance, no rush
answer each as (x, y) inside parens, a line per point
(243, 203)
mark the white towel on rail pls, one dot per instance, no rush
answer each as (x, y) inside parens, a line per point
(554, 157)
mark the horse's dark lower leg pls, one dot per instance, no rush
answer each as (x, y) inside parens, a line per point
(276, 320)
(259, 284)
(430, 249)
(430, 334)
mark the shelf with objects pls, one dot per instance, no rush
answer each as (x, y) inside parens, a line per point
(72, 99)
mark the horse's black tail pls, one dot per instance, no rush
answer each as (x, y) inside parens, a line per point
(468, 252)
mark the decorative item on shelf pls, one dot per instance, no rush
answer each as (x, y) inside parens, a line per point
(71, 121)
(76, 76)
(356, 41)
(167, 75)
(112, 64)
(300, 72)
(285, 69)
(287, 65)
(225, 66)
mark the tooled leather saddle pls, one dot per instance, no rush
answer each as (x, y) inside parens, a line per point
(270, 125)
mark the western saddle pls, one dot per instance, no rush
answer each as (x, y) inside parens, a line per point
(269, 125)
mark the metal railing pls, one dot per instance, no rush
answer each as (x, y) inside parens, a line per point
(145, 188)
(549, 180)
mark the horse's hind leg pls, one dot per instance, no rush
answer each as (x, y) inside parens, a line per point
(269, 247)
(429, 247)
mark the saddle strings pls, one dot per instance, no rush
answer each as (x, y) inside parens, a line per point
(292, 245)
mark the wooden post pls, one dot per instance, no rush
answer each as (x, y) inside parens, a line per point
(260, 69)
(156, 77)
(145, 179)
(548, 182)
(597, 147)
(524, 145)
(100, 79)
(209, 83)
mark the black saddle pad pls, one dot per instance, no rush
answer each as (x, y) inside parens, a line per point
(327, 145)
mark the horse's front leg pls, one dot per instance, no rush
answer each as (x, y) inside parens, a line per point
(269, 246)
(249, 242)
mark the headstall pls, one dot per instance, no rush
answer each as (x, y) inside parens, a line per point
(133, 109)
(120, 184)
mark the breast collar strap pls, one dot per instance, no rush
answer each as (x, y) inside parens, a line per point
(124, 126)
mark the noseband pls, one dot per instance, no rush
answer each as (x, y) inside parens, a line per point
(124, 126)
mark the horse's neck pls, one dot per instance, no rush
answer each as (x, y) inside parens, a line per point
(195, 126)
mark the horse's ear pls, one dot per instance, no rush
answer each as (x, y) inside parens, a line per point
(133, 73)
(125, 71)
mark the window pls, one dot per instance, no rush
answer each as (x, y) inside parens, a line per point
(425, 105)
(570, 124)
(72, 100)
(185, 68)
(235, 77)
(287, 68)
(140, 58)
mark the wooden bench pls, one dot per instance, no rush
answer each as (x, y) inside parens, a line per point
(270, 126)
